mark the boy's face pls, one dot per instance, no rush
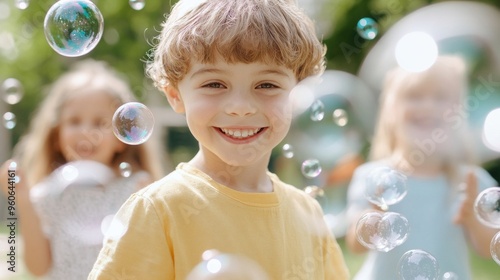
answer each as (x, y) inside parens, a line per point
(237, 112)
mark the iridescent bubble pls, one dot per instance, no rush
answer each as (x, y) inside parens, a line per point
(73, 27)
(367, 28)
(314, 191)
(125, 169)
(311, 168)
(340, 117)
(418, 264)
(394, 229)
(133, 123)
(317, 111)
(450, 276)
(382, 231)
(137, 4)
(22, 4)
(385, 186)
(218, 266)
(367, 230)
(487, 207)
(287, 151)
(9, 120)
(495, 248)
(12, 91)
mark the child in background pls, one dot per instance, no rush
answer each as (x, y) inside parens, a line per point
(68, 164)
(419, 134)
(229, 67)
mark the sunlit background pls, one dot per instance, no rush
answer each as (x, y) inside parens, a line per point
(334, 117)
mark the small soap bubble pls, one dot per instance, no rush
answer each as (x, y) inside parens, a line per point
(317, 111)
(340, 117)
(9, 120)
(133, 123)
(314, 191)
(219, 266)
(311, 168)
(137, 4)
(418, 264)
(487, 207)
(495, 248)
(367, 28)
(450, 276)
(385, 186)
(12, 91)
(73, 27)
(125, 169)
(287, 151)
(22, 4)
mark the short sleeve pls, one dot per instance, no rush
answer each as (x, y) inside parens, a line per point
(136, 245)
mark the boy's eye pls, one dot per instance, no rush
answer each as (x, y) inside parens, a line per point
(214, 85)
(266, 85)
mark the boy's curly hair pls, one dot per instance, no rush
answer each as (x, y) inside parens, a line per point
(274, 32)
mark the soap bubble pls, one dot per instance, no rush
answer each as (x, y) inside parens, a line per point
(487, 207)
(73, 27)
(137, 4)
(314, 191)
(125, 169)
(450, 276)
(385, 186)
(9, 120)
(340, 117)
(317, 111)
(22, 4)
(133, 123)
(287, 151)
(382, 231)
(367, 28)
(218, 266)
(311, 168)
(418, 264)
(12, 91)
(495, 248)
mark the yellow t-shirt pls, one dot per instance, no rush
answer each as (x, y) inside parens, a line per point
(162, 231)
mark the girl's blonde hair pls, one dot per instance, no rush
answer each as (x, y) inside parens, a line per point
(38, 150)
(448, 70)
(268, 31)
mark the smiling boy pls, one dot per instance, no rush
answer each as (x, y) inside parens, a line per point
(228, 66)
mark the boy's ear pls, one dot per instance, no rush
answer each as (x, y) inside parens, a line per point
(174, 98)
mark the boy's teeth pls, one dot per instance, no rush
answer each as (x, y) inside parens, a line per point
(240, 133)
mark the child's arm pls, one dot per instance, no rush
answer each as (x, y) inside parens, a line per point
(37, 254)
(479, 234)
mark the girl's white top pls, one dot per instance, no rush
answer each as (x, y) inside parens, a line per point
(76, 204)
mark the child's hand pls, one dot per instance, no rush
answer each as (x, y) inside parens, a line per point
(466, 209)
(21, 191)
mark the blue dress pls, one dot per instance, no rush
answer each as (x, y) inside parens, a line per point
(430, 206)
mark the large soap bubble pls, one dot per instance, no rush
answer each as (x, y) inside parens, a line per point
(73, 27)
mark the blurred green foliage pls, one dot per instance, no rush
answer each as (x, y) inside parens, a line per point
(128, 34)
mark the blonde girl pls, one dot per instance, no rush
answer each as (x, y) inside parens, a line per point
(420, 134)
(72, 131)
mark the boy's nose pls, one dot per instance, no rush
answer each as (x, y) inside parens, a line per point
(240, 104)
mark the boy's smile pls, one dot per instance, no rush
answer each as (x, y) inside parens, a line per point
(238, 112)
